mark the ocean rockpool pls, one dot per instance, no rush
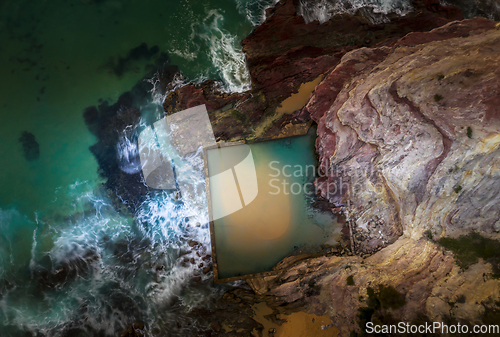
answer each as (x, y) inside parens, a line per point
(260, 198)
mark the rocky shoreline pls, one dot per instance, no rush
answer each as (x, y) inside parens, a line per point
(407, 114)
(408, 117)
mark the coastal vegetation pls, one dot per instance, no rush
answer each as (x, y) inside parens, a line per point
(468, 249)
(378, 308)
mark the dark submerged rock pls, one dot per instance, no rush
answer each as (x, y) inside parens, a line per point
(108, 122)
(120, 65)
(129, 252)
(31, 147)
(50, 275)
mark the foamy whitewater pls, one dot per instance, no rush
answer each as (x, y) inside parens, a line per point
(374, 10)
(70, 263)
(135, 270)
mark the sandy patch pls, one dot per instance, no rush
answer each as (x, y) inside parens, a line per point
(298, 100)
(298, 324)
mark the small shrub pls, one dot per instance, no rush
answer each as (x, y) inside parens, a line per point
(438, 97)
(350, 281)
(491, 315)
(469, 248)
(373, 301)
(389, 297)
(364, 316)
(386, 297)
(440, 77)
(457, 189)
(469, 132)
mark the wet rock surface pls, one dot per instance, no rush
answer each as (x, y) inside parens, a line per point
(110, 123)
(285, 52)
(55, 275)
(489, 8)
(134, 330)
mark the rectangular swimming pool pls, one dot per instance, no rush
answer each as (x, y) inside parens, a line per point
(260, 199)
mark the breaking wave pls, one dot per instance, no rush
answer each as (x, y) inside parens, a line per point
(128, 152)
(255, 10)
(471, 8)
(210, 42)
(99, 271)
(374, 10)
(226, 54)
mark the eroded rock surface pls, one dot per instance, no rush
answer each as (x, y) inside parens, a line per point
(411, 131)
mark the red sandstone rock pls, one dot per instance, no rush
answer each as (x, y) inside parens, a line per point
(393, 126)
(285, 52)
(373, 102)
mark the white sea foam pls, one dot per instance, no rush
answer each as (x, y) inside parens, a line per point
(323, 10)
(127, 151)
(255, 10)
(158, 97)
(165, 227)
(210, 42)
(225, 53)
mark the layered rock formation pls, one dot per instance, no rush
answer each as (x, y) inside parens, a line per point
(408, 142)
(401, 126)
(412, 132)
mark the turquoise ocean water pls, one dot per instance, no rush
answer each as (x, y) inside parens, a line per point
(70, 264)
(59, 57)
